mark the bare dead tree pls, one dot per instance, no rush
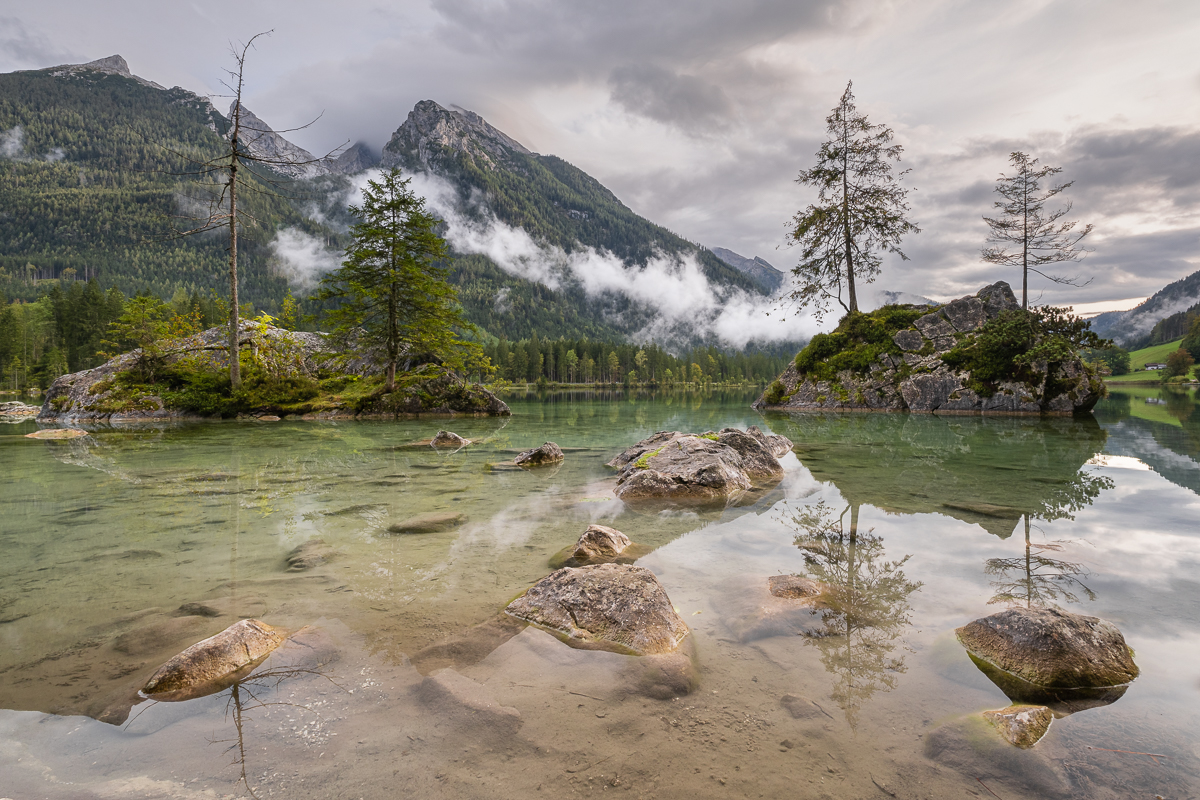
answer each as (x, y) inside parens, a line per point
(226, 172)
(1025, 235)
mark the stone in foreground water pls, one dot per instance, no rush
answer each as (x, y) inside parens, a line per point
(242, 643)
(548, 453)
(617, 604)
(1023, 726)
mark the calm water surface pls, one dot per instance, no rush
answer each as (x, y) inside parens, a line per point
(119, 549)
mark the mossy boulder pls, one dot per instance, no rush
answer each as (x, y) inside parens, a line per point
(974, 354)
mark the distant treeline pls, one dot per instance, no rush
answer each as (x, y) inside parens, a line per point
(536, 360)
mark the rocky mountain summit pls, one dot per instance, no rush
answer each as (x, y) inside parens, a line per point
(913, 367)
(112, 65)
(757, 268)
(433, 133)
(294, 161)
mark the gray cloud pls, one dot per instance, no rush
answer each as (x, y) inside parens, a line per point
(699, 113)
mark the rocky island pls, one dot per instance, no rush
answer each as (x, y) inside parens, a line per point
(977, 354)
(287, 373)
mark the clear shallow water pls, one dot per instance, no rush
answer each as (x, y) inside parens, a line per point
(103, 539)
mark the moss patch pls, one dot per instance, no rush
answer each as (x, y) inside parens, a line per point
(857, 342)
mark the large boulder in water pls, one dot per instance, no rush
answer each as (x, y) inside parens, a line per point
(609, 606)
(1050, 648)
(682, 466)
(600, 542)
(448, 439)
(208, 662)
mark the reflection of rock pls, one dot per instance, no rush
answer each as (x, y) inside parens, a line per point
(607, 604)
(15, 410)
(548, 453)
(466, 703)
(971, 746)
(1061, 701)
(1023, 726)
(988, 471)
(1051, 648)
(312, 553)
(448, 439)
(429, 523)
(239, 645)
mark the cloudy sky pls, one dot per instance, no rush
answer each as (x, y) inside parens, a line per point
(699, 114)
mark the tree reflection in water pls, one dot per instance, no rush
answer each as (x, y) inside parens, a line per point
(865, 604)
(1040, 580)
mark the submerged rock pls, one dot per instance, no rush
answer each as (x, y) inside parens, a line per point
(548, 453)
(1022, 726)
(429, 523)
(606, 604)
(312, 553)
(57, 433)
(793, 587)
(15, 409)
(207, 662)
(157, 635)
(466, 703)
(1051, 648)
(970, 746)
(448, 439)
(599, 542)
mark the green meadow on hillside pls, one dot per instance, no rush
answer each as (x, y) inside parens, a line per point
(1138, 360)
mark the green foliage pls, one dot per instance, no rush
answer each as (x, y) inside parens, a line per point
(857, 342)
(1115, 359)
(1009, 345)
(1178, 363)
(391, 291)
(775, 394)
(1191, 342)
(644, 461)
(860, 211)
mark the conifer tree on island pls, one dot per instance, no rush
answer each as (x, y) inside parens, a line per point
(861, 210)
(1024, 235)
(392, 292)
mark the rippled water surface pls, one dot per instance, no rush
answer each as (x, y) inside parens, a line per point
(121, 548)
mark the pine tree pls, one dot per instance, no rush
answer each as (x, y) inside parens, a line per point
(393, 284)
(861, 210)
(1024, 234)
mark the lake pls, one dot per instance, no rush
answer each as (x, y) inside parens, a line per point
(119, 549)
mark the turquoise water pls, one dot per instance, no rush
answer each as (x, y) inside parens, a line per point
(106, 540)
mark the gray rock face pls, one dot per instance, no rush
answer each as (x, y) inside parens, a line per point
(599, 542)
(207, 662)
(923, 382)
(282, 156)
(433, 134)
(679, 466)
(605, 604)
(1050, 648)
(548, 453)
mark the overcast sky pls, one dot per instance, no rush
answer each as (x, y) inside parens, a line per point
(699, 115)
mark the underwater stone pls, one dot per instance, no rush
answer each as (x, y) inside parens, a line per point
(1051, 648)
(1022, 726)
(460, 700)
(240, 644)
(548, 453)
(617, 604)
(311, 553)
(429, 523)
(793, 587)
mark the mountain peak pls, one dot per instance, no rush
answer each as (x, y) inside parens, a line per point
(111, 65)
(756, 268)
(433, 132)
